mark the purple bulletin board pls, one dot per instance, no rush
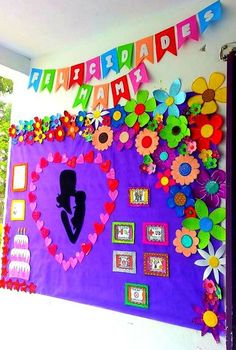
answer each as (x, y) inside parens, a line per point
(81, 268)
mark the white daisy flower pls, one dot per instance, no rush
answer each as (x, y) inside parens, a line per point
(213, 261)
(96, 116)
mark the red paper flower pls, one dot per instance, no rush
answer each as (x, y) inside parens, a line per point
(165, 180)
(12, 131)
(50, 135)
(29, 138)
(38, 124)
(106, 120)
(72, 130)
(66, 119)
(207, 131)
(190, 212)
(59, 133)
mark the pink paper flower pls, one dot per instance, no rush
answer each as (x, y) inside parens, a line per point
(124, 138)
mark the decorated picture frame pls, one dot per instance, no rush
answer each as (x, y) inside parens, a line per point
(156, 264)
(139, 196)
(123, 232)
(19, 177)
(18, 210)
(124, 261)
(137, 295)
(155, 233)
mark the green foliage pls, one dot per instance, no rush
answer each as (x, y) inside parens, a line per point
(6, 87)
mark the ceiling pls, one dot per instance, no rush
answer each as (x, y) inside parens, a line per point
(34, 28)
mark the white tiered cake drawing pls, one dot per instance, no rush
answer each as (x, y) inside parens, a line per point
(19, 266)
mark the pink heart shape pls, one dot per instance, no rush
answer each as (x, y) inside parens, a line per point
(39, 224)
(80, 159)
(50, 157)
(59, 258)
(32, 187)
(33, 205)
(98, 159)
(92, 237)
(73, 262)
(47, 241)
(38, 169)
(104, 218)
(111, 174)
(65, 264)
(79, 256)
(64, 159)
(113, 195)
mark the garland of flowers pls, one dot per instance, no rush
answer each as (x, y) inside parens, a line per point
(178, 138)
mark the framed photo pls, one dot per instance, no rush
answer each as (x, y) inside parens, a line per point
(123, 232)
(18, 210)
(155, 233)
(19, 177)
(139, 196)
(156, 264)
(136, 295)
(124, 261)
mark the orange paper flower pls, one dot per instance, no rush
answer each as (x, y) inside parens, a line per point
(146, 142)
(185, 169)
(186, 242)
(102, 138)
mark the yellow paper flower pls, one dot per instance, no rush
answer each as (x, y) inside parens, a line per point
(205, 154)
(209, 94)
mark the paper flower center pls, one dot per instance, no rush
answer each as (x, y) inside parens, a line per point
(37, 125)
(124, 136)
(207, 130)
(96, 114)
(59, 133)
(81, 118)
(103, 137)
(146, 141)
(164, 180)
(187, 241)
(164, 156)
(180, 199)
(212, 187)
(210, 319)
(169, 101)
(21, 138)
(117, 115)
(185, 169)
(214, 262)
(208, 95)
(206, 224)
(139, 109)
(176, 130)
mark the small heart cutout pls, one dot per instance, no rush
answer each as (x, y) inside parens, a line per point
(113, 195)
(32, 197)
(44, 232)
(99, 228)
(47, 241)
(38, 169)
(112, 184)
(59, 258)
(33, 205)
(89, 157)
(36, 215)
(111, 174)
(66, 265)
(43, 163)
(92, 237)
(34, 176)
(64, 158)
(73, 262)
(57, 157)
(80, 159)
(52, 249)
(86, 247)
(98, 159)
(33, 187)
(105, 166)
(109, 207)
(104, 218)
(50, 157)
(72, 162)
(39, 224)
(80, 256)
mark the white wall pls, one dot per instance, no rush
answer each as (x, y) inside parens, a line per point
(14, 61)
(47, 323)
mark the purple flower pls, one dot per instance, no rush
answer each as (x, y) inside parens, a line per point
(211, 188)
(163, 157)
(124, 137)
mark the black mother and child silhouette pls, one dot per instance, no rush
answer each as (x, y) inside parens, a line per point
(72, 221)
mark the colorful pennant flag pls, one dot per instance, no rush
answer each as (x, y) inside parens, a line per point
(83, 96)
(34, 79)
(48, 79)
(144, 50)
(62, 78)
(210, 14)
(187, 29)
(138, 76)
(93, 69)
(125, 55)
(109, 61)
(76, 75)
(120, 88)
(100, 96)
(165, 41)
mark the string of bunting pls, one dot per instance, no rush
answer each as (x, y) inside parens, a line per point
(129, 55)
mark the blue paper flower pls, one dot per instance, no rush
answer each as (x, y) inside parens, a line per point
(55, 120)
(117, 115)
(29, 125)
(20, 127)
(80, 118)
(169, 101)
(180, 198)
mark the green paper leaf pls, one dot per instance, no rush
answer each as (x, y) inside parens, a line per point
(143, 119)
(130, 105)
(218, 232)
(150, 105)
(130, 120)
(125, 55)
(218, 215)
(83, 96)
(204, 238)
(142, 96)
(191, 223)
(201, 209)
(48, 79)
